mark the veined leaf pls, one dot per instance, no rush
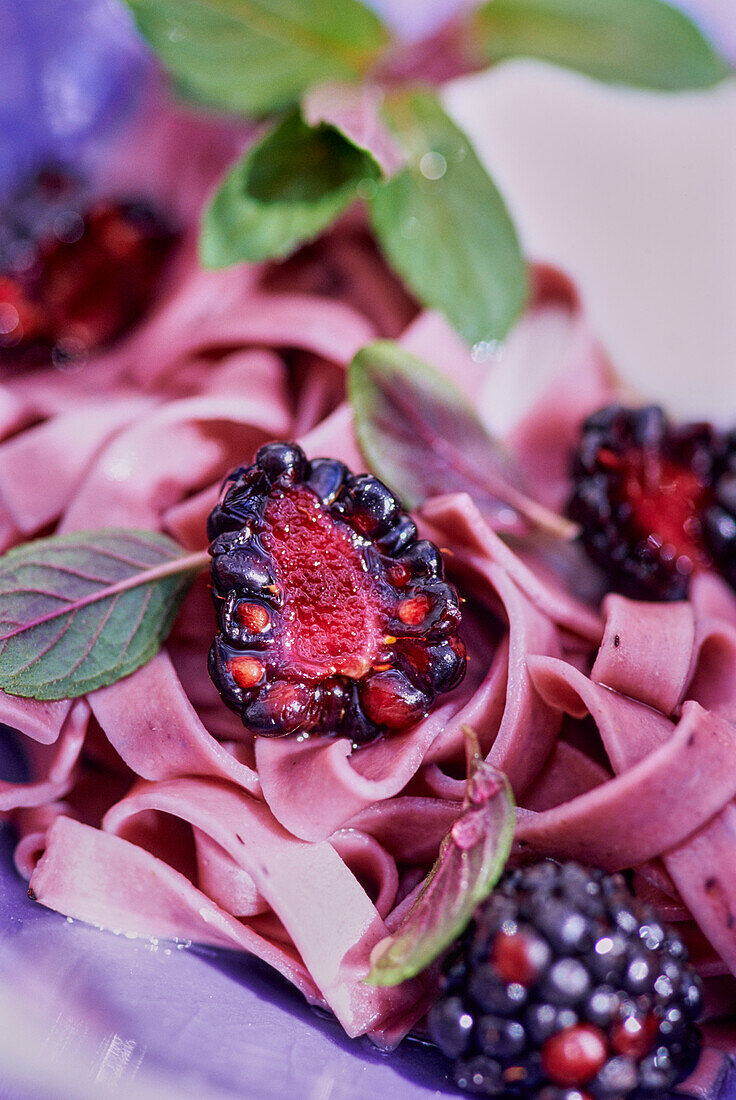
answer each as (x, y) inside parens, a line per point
(645, 43)
(256, 56)
(420, 435)
(286, 189)
(471, 859)
(79, 611)
(444, 226)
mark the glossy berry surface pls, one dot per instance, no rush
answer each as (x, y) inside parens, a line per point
(333, 617)
(75, 273)
(565, 987)
(642, 489)
(719, 518)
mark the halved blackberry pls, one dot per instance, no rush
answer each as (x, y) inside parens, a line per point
(563, 987)
(334, 618)
(74, 273)
(641, 488)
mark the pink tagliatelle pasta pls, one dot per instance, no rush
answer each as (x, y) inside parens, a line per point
(150, 810)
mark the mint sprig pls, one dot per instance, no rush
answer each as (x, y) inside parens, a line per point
(438, 217)
(80, 611)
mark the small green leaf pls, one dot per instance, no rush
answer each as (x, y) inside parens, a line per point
(420, 435)
(471, 859)
(444, 226)
(645, 43)
(79, 611)
(256, 56)
(286, 189)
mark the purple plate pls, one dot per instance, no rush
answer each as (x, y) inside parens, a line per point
(124, 1013)
(145, 1019)
(83, 1012)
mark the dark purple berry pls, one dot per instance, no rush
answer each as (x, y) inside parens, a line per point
(719, 520)
(75, 273)
(371, 507)
(330, 619)
(400, 536)
(282, 461)
(481, 1075)
(640, 973)
(500, 1038)
(618, 1077)
(450, 1025)
(567, 929)
(493, 995)
(608, 956)
(565, 1009)
(544, 1020)
(326, 478)
(566, 983)
(643, 496)
(602, 1005)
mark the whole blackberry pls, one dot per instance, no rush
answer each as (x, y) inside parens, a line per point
(333, 617)
(75, 273)
(565, 986)
(641, 490)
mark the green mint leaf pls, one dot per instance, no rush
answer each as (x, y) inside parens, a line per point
(471, 859)
(256, 56)
(421, 436)
(444, 226)
(80, 611)
(285, 190)
(645, 43)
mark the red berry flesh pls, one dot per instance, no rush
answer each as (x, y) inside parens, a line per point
(253, 617)
(634, 1036)
(73, 275)
(246, 671)
(642, 489)
(520, 956)
(414, 611)
(335, 614)
(333, 617)
(574, 1056)
(390, 699)
(666, 501)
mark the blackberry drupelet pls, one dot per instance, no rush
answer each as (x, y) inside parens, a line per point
(75, 273)
(642, 489)
(333, 617)
(565, 987)
(719, 518)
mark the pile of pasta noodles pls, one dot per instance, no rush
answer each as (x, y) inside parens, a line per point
(149, 809)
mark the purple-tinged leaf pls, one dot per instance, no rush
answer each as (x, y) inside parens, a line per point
(471, 859)
(355, 110)
(79, 611)
(419, 434)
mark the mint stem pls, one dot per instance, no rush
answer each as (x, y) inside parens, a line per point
(190, 563)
